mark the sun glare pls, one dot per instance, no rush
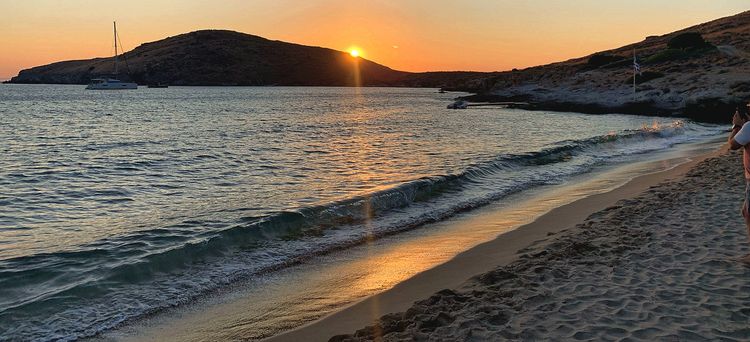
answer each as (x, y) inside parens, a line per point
(354, 52)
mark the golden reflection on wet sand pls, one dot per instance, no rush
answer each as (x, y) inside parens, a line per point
(309, 291)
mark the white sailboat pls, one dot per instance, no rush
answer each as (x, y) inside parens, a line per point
(111, 83)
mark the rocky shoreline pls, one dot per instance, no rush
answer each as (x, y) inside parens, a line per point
(710, 110)
(700, 73)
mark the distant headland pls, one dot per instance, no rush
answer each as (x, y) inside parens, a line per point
(700, 72)
(228, 58)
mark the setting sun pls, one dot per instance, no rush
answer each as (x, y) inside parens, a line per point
(354, 52)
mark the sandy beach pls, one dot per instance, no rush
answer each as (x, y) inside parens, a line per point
(385, 171)
(662, 263)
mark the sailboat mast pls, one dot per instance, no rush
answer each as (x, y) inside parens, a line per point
(114, 24)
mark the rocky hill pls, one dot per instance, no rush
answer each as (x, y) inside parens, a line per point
(702, 72)
(220, 57)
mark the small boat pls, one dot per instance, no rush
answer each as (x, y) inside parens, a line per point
(459, 104)
(158, 85)
(111, 83)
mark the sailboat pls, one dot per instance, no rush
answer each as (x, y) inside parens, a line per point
(111, 83)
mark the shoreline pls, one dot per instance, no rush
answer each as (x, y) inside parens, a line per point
(284, 301)
(693, 111)
(701, 110)
(668, 264)
(181, 275)
(484, 257)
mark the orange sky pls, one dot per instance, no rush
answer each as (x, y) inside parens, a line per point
(411, 35)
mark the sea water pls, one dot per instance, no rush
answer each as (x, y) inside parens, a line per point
(116, 205)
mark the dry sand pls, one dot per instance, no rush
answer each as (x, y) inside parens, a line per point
(664, 265)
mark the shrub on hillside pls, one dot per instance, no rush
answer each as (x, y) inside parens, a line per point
(602, 59)
(688, 40)
(682, 46)
(666, 56)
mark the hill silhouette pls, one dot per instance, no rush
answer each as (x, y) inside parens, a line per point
(221, 57)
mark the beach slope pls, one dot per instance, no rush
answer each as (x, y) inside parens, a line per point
(664, 265)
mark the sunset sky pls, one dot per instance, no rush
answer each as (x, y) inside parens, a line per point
(411, 35)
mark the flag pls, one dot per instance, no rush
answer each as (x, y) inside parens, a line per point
(636, 66)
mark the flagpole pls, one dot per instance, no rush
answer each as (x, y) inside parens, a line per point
(634, 71)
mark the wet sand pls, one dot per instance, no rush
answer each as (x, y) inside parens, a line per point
(654, 261)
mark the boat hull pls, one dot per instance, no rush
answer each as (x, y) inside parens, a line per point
(112, 86)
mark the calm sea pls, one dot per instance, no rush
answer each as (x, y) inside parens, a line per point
(115, 205)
